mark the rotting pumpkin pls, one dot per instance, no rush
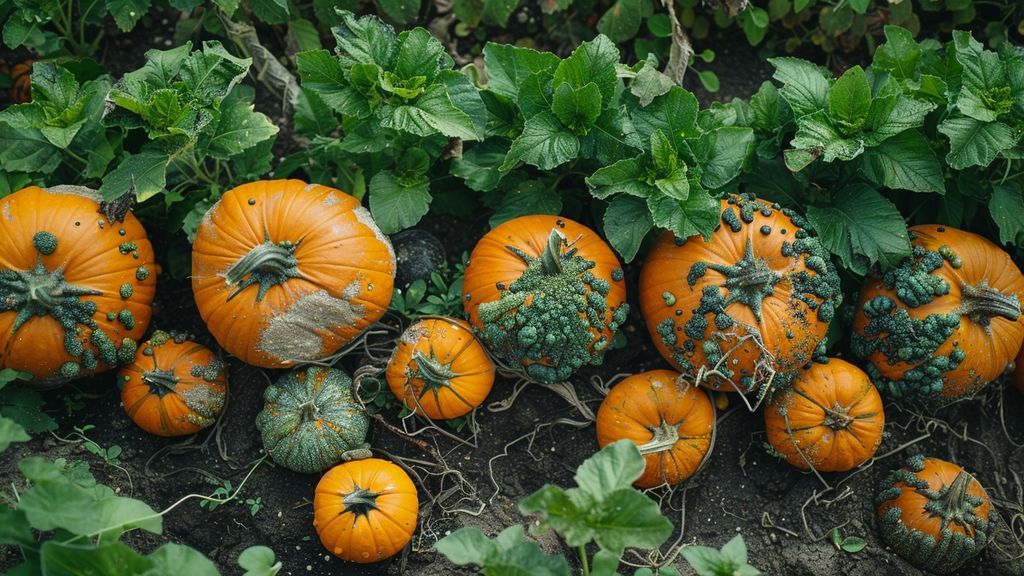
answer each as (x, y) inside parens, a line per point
(944, 322)
(545, 293)
(76, 289)
(830, 418)
(440, 368)
(365, 511)
(754, 299)
(311, 420)
(174, 387)
(285, 272)
(670, 420)
(934, 514)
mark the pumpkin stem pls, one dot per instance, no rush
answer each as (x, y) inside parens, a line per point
(551, 257)
(953, 503)
(161, 382)
(837, 417)
(309, 411)
(434, 374)
(664, 438)
(267, 265)
(359, 501)
(749, 280)
(982, 303)
(42, 292)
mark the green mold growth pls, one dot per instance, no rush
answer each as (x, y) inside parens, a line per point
(126, 291)
(266, 265)
(749, 281)
(127, 247)
(126, 353)
(311, 421)
(141, 273)
(44, 242)
(568, 304)
(900, 337)
(126, 318)
(952, 504)
(210, 372)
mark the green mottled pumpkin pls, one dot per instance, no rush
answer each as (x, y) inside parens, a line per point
(934, 514)
(311, 421)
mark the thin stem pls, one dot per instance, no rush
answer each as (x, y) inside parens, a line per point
(584, 560)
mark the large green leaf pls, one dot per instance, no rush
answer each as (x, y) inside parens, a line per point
(1007, 209)
(975, 143)
(906, 162)
(396, 207)
(899, 55)
(805, 85)
(544, 143)
(626, 222)
(239, 129)
(508, 66)
(592, 61)
(529, 197)
(862, 228)
(614, 467)
(27, 150)
(627, 517)
(429, 114)
(698, 215)
(722, 153)
(508, 554)
(577, 108)
(674, 113)
(849, 100)
(10, 432)
(622, 21)
(127, 13)
(817, 137)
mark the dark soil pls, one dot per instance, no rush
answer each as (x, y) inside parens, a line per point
(744, 488)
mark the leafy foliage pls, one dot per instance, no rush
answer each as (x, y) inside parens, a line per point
(731, 560)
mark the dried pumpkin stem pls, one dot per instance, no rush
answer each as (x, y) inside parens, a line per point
(664, 438)
(837, 417)
(982, 303)
(360, 501)
(434, 374)
(309, 411)
(266, 265)
(160, 382)
(551, 258)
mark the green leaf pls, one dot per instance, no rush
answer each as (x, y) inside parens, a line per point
(365, 40)
(622, 21)
(478, 165)
(614, 467)
(401, 11)
(891, 115)
(698, 215)
(177, 559)
(899, 55)
(849, 100)
(906, 162)
(11, 431)
(975, 143)
(544, 143)
(529, 197)
(509, 554)
(17, 30)
(85, 558)
(270, 11)
(24, 406)
(985, 92)
(433, 112)
(605, 563)
(722, 154)
(228, 6)
(14, 528)
(816, 137)
(627, 517)
(626, 176)
(466, 97)
(146, 171)
(420, 54)
(396, 207)
(305, 34)
(27, 150)
(239, 129)
(577, 108)
(805, 86)
(862, 228)
(560, 512)
(127, 13)
(674, 113)
(1007, 209)
(592, 61)
(508, 66)
(467, 545)
(626, 222)
(649, 84)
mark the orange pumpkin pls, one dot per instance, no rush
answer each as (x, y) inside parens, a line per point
(286, 272)
(934, 514)
(174, 387)
(758, 294)
(75, 289)
(546, 293)
(365, 510)
(669, 419)
(439, 367)
(831, 417)
(21, 80)
(944, 322)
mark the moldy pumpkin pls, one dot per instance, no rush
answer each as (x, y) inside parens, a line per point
(76, 289)
(286, 272)
(547, 293)
(944, 322)
(760, 280)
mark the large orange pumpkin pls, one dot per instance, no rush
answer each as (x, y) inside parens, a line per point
(439, 367)
(174, 387)
(669, 419)
(934, 514)
(944, 322)
(365, 510)
(547, 293)
(831, 417)
(286, 272)
(75, 289)
(758, 294)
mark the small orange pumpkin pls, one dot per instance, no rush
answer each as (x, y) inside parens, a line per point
(834, 416)
(21, 80)
(669, 419)
(760, 280)
(365, 510)
(286, 272)
(439, 366)
(76, 289)
(546, 293)
(944, 322)
(934, 514)
(174, 387)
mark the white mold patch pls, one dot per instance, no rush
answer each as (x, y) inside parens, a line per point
(364, 217)
(295, 334)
